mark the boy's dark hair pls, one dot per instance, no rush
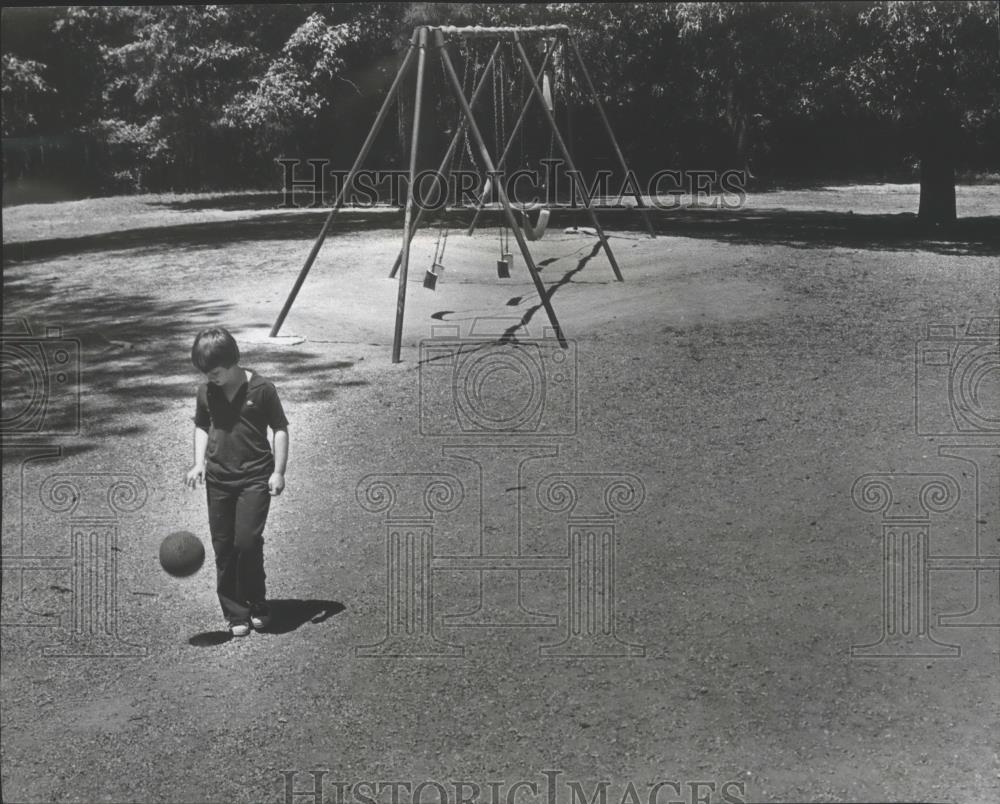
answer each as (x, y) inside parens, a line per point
(214, 348)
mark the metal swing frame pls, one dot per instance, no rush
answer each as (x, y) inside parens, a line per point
(438, 37)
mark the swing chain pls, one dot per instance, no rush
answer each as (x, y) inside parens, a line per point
(443, 229)
(500, 135)
(442, 237)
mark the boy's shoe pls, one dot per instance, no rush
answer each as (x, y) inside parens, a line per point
(260, 616)
(239, 629)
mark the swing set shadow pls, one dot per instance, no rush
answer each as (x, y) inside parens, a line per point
(438, 40)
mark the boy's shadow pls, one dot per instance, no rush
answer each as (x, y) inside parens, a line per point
(286, 616)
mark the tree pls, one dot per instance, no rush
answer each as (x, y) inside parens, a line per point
(167, 85)
(301, 91)
(23, 87)
(208, 97)
(751, 65)
(932, 69)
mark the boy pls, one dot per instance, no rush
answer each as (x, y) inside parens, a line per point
(233, 459)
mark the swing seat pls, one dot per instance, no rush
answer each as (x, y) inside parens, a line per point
(503, 267)
(536, 231)
(531, 232)
(432, 274)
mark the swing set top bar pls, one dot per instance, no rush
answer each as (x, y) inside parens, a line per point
(476, 31)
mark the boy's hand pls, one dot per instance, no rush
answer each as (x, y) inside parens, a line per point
(195, 476)
(276, 484)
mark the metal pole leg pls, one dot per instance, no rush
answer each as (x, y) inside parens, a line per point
(510, 141)
(543, 292)
(376, 127)
(447, 157)
(414, 142)
(535, 88)
(607, 127)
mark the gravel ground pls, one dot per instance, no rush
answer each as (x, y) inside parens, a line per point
(750, 369)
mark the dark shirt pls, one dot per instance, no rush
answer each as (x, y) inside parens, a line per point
(237, 431)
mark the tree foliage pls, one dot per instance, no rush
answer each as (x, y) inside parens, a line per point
(750, 65)
(930, 68)
(921, 60)
(187, 97)
(24, 89)
(295, 85)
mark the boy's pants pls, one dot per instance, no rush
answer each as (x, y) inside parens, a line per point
(237, 513)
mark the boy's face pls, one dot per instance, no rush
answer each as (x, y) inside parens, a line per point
(221, 375)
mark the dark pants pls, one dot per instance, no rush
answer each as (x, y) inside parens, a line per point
(237, 513)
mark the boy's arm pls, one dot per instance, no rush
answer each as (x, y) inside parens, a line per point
(197, 473)
(277, 482)
(200, 445)
(279, 426)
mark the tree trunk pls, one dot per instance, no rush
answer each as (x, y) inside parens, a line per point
(937, 174)
(739, 126)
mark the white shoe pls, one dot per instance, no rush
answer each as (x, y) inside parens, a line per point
(239, 629)
(260, 616)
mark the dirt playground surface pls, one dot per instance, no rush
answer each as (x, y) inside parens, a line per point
(634, 569)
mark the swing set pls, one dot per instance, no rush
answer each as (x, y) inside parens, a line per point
(537, 85)
(498, 83)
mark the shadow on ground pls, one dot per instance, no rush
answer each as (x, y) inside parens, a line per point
(823, 229)
(528, 314)
(286, 616)
(799, 229)
(235, 202)
(210, 639)
(71, 356)
(153, 240)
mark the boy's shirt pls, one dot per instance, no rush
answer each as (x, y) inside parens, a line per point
(237, 430)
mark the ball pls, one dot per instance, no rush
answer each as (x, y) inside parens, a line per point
(181, 554)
